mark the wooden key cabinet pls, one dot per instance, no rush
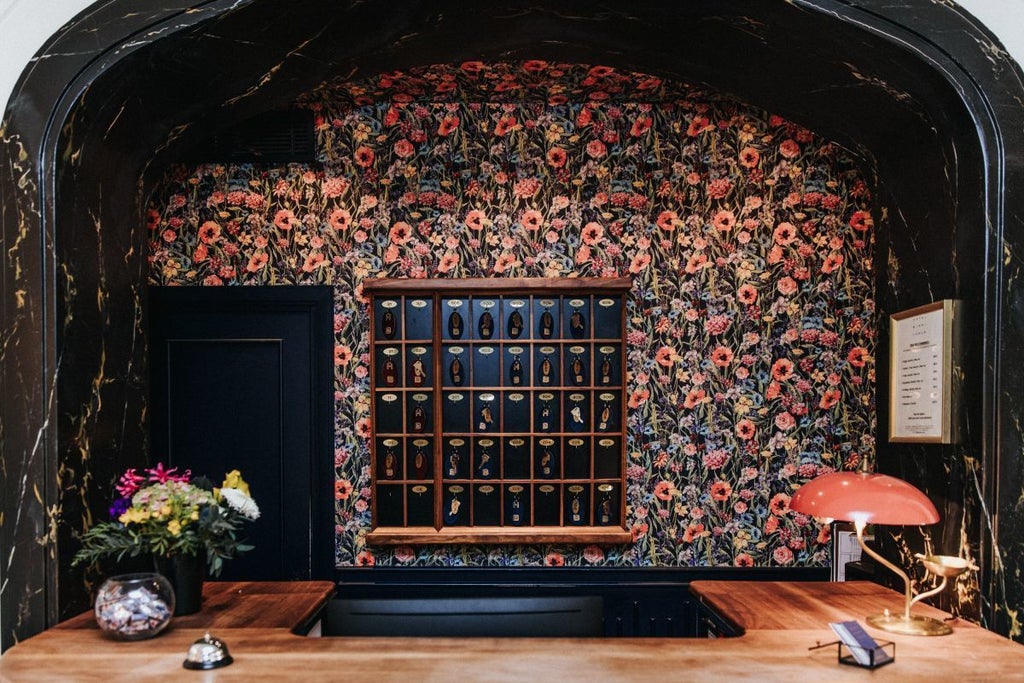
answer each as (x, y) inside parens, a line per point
(498, 410)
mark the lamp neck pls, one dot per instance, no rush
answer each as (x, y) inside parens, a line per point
(859, 526)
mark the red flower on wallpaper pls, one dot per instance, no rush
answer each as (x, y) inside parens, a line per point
(505, 125)
(364, 157)
(667, 220)
(557, 157)
(745, 429)
(858, 356)
(862, 221)
(448, 125)
(720, 490)
(641, 126)
(721, 356)
(749, 157)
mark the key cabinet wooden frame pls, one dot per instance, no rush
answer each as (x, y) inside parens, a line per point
(498, 410)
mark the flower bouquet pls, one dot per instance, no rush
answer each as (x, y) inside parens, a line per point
(166, 514)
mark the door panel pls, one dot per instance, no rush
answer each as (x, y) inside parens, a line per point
(241, 379)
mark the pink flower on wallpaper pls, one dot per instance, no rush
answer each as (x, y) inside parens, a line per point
(698, 125)
(694, 398)
(340, 219)
(342, 489)
(505, 125)
(789, 149)
(724, 220)
(747, 294)
(448, 262)
(783, 555)
(782, 369)
(532, 219)
(475, 219)
(554, 559)
(525, 188)
(596, 149)
(504, 262)
(832, 263)
(404, 149)
(858, 356)
(719, 188)
(779, 504)
(593, 554)
(592, 233)
(400, 233)
(787, 286)
(785, 421)
(257, 262)
(639, 263)
(720, 490)
(641, 126)
(693, 532)
(334, 187)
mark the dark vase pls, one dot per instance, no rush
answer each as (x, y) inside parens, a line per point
(185, 572)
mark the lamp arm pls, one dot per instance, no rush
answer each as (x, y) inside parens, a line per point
(906, 579)
(927, 594)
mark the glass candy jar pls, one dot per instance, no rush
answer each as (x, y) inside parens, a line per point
(134, 606)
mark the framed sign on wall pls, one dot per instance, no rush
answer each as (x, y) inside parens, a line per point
(921, 353)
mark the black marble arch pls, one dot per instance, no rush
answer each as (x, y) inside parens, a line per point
(916, 88)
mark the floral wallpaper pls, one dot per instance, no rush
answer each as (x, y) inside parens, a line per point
(749, 240)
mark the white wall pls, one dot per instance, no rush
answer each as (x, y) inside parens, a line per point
(24, 27)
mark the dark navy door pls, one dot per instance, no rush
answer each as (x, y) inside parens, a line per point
(241, 378)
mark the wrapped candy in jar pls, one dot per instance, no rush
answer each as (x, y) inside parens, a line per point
(134, 606)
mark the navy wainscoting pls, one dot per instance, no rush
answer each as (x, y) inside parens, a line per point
(636, 602)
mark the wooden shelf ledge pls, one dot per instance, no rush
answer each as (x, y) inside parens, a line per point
(582, 535)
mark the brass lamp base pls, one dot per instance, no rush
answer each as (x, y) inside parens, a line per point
(909, 626)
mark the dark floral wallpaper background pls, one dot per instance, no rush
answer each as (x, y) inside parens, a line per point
(749, 240)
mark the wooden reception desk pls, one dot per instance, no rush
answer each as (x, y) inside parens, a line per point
(779, 621)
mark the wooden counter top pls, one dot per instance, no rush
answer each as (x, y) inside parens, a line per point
(781, 620)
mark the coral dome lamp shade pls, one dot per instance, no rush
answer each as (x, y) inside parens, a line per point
(870, 498)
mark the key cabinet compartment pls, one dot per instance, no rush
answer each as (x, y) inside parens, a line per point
(497, 410)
